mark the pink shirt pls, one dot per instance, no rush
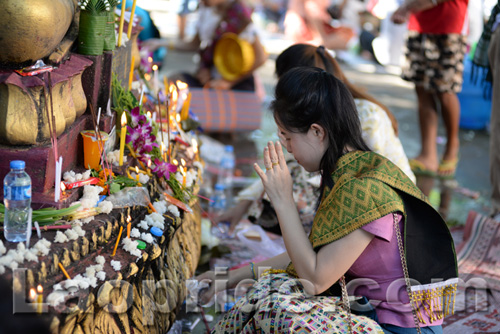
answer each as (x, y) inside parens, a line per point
(378, 275)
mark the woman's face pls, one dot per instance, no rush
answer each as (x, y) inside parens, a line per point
(307, 148)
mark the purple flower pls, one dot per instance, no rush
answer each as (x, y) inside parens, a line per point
(163, 169)
(136, 117)
(141, 138)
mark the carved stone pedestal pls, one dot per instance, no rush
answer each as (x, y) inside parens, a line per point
(40, 162)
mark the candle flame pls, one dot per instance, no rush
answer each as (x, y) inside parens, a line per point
(148, 114)
(171, 88)
(178, 118)
(147, 76)
(136, 170)
(195, 145)
(183, 162)
(181, 169)
(39, 289)
(175, 162)
(155, 67)
(124, 119)
(181, 85)
(32, 294)
(149, 163)
(129, 219)
(175, 95)
(63, 187)
(150, 59)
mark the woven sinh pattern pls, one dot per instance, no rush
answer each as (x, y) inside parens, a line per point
(277, 303)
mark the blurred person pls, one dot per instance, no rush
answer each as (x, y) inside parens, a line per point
(487, 56)
(182, 14)
(217, 17)
(367, 207)
(379, 131)
(308, 21)
(436, 46)
(149, 30)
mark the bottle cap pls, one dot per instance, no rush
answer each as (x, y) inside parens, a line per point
(219, 186)
(141, 244)
(156, 231)
(17, 164)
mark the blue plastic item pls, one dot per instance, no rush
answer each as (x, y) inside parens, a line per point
(156, 231)
(475, 107)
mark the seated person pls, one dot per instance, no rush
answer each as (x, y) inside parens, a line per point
(217, 17)
(379, 131)
(368, 206)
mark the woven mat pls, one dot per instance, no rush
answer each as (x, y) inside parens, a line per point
(479, 254)
(477, 306)
(226, 110)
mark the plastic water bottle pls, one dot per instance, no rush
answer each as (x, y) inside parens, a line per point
(218, 206)
(17, 200)
(219, 200)
(227, 171)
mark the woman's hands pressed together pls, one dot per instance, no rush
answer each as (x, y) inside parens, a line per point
(276, 179)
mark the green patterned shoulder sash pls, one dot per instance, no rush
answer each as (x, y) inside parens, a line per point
(362, 192)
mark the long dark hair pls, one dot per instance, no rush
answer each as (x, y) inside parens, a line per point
(310, 55)
(307, 95)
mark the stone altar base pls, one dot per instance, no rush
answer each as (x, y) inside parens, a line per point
(40, 163)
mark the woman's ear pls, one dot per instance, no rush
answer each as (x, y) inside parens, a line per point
(318, 131)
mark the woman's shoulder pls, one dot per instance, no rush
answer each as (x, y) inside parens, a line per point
(368, 106)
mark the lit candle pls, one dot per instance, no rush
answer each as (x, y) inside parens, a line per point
(155, 79)
(131, 74)
(137, 173)
(117, 240)
(149, 167)
(163, 154)
(175, 96)
(182, 93)
(183, 176)
(185, 108)
(129, 30)
(32, 295)
(183, 171)
(39, 306)
(120, 27)
(195, 149)
(122, 136)
(129, 225)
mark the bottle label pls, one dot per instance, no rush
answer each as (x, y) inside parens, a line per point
(20, 193)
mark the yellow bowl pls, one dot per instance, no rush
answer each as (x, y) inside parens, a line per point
(233, 56)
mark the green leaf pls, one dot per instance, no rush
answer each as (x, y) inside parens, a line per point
(114, 188)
